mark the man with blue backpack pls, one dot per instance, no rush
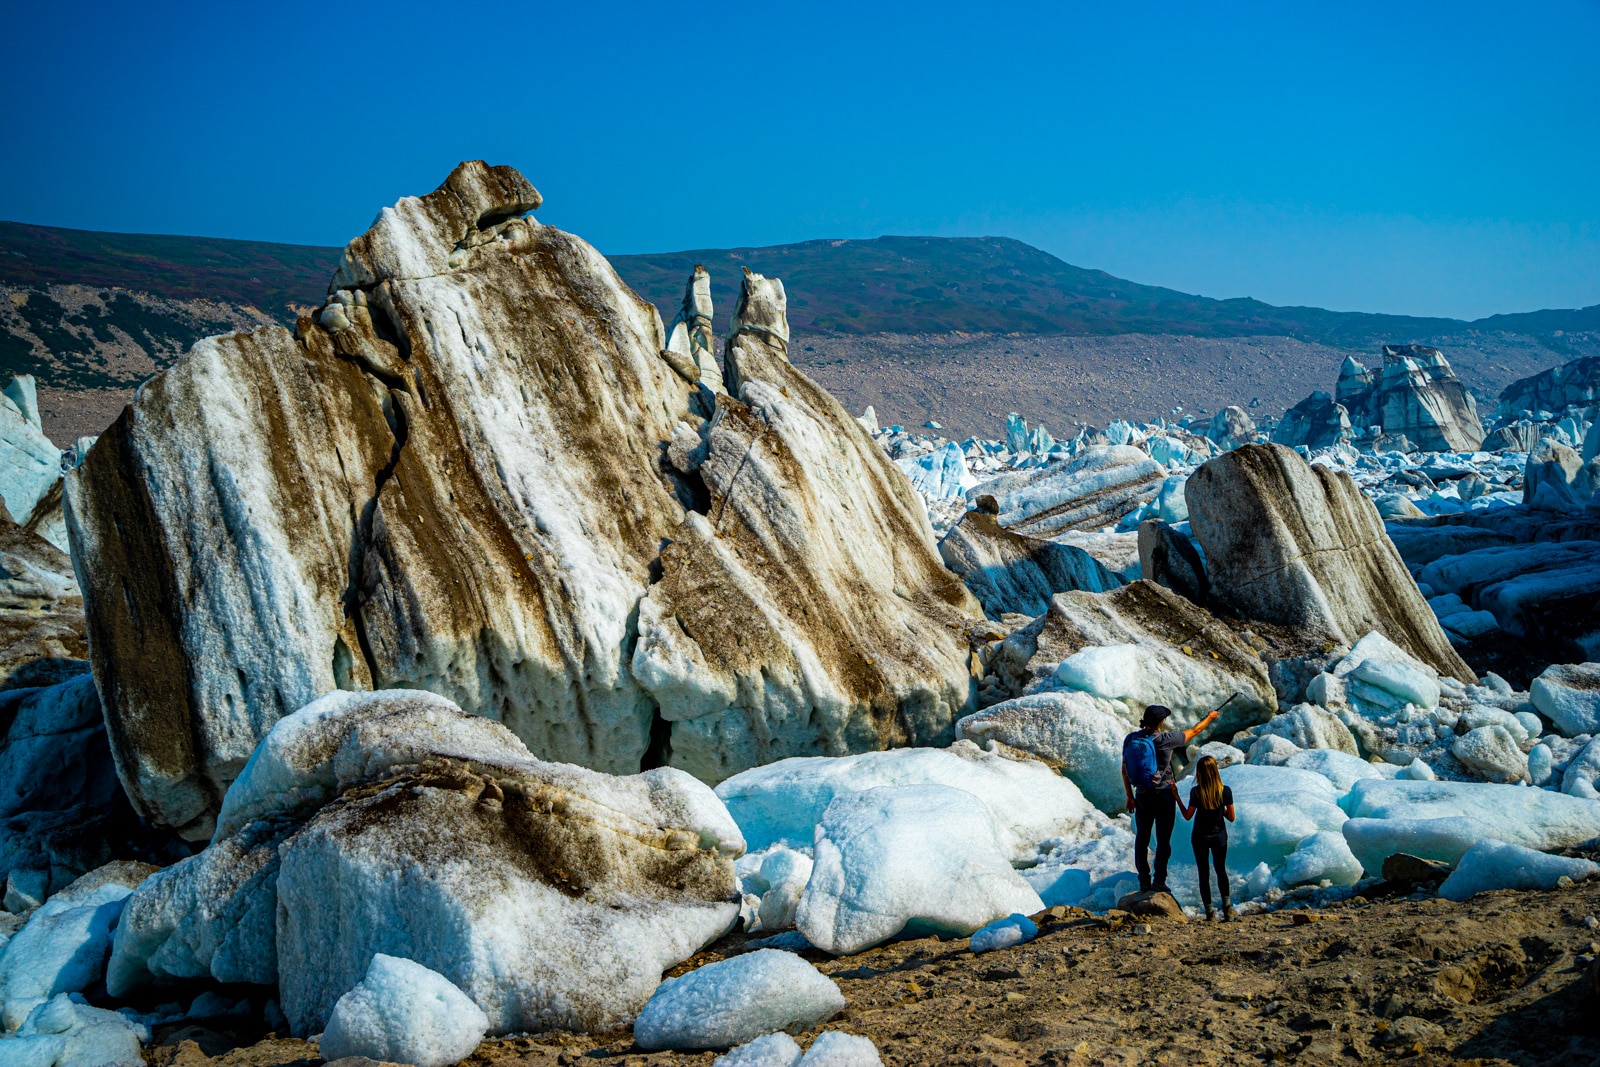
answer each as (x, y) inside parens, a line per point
(1147, 777)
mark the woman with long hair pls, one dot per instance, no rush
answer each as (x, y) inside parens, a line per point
(1211, 807)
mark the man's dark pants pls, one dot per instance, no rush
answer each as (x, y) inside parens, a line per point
(1153, 809)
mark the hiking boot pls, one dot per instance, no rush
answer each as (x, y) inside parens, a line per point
(1211, 915)
(1228, 914)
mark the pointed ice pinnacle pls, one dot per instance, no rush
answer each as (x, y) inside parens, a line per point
(690, 334)
(763, 308)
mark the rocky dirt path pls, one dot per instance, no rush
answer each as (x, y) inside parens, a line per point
(1500, 979)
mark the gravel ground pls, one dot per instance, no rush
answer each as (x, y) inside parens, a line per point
(1497, 980)
(968, 383)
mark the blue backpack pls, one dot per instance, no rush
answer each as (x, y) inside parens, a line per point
(1139, 759)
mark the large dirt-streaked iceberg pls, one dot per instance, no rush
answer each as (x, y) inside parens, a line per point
(1298, 546)
(458, 476)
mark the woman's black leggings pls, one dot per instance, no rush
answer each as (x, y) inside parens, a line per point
(1206, 854)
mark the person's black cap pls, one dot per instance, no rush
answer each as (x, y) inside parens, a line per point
(1155, 715)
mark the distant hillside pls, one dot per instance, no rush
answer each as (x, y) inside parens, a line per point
(910, 285)
(92, 314)
(926, 285)
(270, 277)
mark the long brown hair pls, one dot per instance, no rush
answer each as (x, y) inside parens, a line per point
(1207, 783)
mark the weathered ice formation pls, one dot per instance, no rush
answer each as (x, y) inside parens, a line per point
(1575, 383)
(1546, 591)
(1231, 427)
(394, 823)
(1556, 478)
(1416, 396)
(1318, 421)
(1298, 546)
(1011, 573)
(53, 752)
(1167, 557)
(30, 464)
(1088, 492)
(41, 614)
(1519, 436)
(34, 573)
(690, 338)
(1140, 645)
(805, 610)
(1355, 380)
(462, 475)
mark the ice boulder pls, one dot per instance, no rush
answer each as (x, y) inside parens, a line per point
(1271, 750)
(1091, 872)
(1582, 771)
(915, 859)
(1310, 727)
(1568, 694)
(1077, 733)
(1417, 771)
(1318, 421)
(64, 945)
(773, 1050)
(600, 882)
(1231, 427)
(210, 916)
(1440, 820)
(1340, 768)
(53, 750)
(1555, 478)
(1009, 932)
(1226, 755)
(781, 879)
(1171, 452)
(1325, 856)
(1492, 753)
(1012, 573)
(1492, 864)
(835, 1048)
(402, 1012)
(30, 463)
(1541, 764)
(66, 1032)
(341, 738)
(783, 802)
(1384, 685)
(1538, 590)
(1087, 492)
(737, 1000)
(1520, 727)
(42, 852)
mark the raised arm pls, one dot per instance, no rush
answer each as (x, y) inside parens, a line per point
(1199, 728)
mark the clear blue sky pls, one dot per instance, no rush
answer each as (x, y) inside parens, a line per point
(1419, 158)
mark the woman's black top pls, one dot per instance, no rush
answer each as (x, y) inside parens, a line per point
(1209, 824)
